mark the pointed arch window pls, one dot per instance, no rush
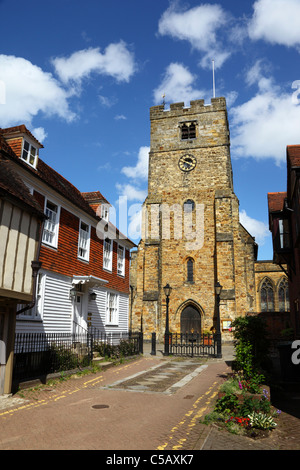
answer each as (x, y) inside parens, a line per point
(267, 296)
(283, 296)
(190, 270)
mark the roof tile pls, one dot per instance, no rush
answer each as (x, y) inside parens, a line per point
(276, 201)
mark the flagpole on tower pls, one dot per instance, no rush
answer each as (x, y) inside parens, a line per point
(214, 87)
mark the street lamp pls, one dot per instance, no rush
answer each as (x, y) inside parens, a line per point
(167, 290)
(218, 289)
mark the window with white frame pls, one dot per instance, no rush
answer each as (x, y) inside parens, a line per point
(107, 254)
(84, 241)
(112, 308)
(50, 233)
(36, 312)
(121, 260)
(29, 153)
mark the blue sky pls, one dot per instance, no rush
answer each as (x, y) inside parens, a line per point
(83, 75)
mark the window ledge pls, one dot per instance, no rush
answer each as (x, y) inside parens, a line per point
(47, 245)
(24, 319)
(107, 270)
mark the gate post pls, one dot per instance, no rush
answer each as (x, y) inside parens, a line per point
(153, 351)
(91, 342)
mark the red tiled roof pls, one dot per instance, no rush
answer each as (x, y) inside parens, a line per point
(94, 196)
(49, 176)
(12, 186)
(276, 201)
(17, 130)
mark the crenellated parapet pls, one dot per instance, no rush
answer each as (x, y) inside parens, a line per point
(196, 107)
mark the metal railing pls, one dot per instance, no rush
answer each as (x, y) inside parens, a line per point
(40, 354)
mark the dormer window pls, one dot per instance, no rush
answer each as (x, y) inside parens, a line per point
(29, 153)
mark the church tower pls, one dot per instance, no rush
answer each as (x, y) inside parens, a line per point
(191, 235)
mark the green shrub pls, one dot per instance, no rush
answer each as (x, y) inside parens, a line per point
(253, 404)
(62, 358)
(123, 349)
(226, 404)
(250, 332)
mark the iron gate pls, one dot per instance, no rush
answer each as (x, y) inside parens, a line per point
(191, 344)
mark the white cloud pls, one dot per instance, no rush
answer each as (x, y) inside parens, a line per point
(254, 74)
(263, 126)
(276, 21)
(107, 102)
(199, 26)
(116, 61)
(28, 91)
(40, 134)
(140, 171)
(178, 85)
(120, 117)
(138, 174)
(257, 229)
(131, 192)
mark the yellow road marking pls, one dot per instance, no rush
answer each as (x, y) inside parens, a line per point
(57, 397)
(194, 415)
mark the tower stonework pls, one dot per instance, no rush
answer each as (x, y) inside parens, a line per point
(191, 233)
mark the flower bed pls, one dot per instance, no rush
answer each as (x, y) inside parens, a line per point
(242, 412)
(243, 405)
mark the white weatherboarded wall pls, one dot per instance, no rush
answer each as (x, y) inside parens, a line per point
(54, 312)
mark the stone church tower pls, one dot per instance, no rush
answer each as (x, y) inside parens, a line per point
(191, 236)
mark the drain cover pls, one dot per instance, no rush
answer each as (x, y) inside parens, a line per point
(189, 397)
(99, 407)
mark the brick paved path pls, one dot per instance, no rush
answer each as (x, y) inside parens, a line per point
(86, 414)
(91, 412)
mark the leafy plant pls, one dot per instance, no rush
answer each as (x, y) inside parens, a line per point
(261, 421)
(231, 386)
(226, 404)
(253, 383)
(251, 404)
(251, 331)
(124, 348)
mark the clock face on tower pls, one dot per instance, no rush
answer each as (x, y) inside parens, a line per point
(187, 162)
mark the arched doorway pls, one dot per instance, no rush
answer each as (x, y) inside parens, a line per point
(190, 320)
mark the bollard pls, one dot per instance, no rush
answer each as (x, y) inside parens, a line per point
(153, 351)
